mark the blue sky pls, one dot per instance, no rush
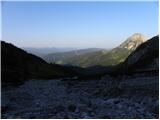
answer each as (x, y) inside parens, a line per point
(77, 24)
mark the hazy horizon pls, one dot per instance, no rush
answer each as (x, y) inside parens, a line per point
(50, 47)
(77, 24)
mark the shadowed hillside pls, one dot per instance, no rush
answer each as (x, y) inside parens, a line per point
(144, 59)
(18, 65)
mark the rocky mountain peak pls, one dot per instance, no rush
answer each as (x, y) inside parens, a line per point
(137, 37)
(133, 41)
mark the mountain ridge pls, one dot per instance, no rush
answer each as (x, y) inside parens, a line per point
(133, 41)
(144, 59)
(107, 58)
(65, 56)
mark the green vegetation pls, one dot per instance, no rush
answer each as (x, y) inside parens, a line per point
(108, 58)
(98, 57)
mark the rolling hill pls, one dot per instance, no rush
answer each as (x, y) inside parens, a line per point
(41, 52)
(66, 57)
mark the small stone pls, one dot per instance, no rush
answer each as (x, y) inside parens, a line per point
(72, 108)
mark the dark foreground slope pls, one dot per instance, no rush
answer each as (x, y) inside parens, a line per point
(18, 65)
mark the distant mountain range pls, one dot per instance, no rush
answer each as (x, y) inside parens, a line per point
(94, 57)
(44, 51)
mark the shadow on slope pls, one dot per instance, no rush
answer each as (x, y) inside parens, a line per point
(18, 66)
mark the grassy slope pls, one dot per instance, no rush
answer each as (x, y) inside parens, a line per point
(112, 57)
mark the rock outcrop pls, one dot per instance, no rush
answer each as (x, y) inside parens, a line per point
(133, 42)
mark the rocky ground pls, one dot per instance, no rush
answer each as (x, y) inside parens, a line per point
(133, 96)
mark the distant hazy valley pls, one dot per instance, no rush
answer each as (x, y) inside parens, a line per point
(91, 56)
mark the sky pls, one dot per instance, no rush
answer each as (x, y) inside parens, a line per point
(77, 24)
